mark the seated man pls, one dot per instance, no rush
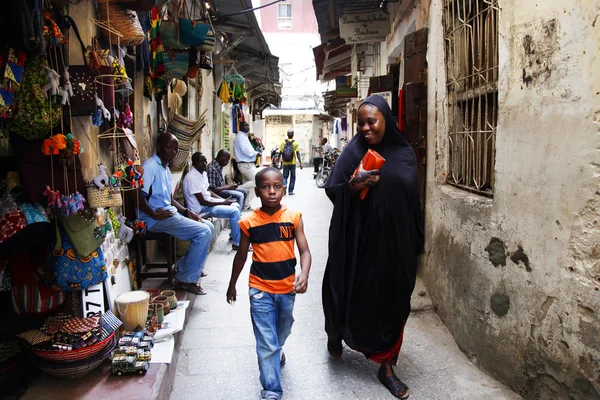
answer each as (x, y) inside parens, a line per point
(200, 199)
(161, 213)
(217, 182)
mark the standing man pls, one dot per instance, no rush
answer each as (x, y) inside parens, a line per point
(245, 155)
(217, 182)
(200, 199)
(289, 153)
(162, 213)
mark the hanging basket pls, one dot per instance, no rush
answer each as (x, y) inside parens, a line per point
(102, 198)
(123, 20)
(206, 60)
(209, 42)
(181, 159)
(186, 130)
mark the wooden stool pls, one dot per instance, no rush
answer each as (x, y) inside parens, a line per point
(143, 268)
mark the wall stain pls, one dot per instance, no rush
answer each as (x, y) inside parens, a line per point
(500, 304)
(496, 250)
(520, 256)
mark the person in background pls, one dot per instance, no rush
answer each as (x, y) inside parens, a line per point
(245, 156)
(290, 152)
(324, 149)
(272, 230)
(201, 200)
(162, 213)
(217, 182)
(373, 244)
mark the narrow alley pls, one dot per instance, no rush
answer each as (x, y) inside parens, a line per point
(218, 358)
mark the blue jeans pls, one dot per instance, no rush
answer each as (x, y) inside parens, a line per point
(233, 213)
(199, 234)
(239, 194)
(272, 319)
(291, 171)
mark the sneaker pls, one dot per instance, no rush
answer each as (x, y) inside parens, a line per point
(291, 193)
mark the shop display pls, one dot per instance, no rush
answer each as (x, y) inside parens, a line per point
(133, 354)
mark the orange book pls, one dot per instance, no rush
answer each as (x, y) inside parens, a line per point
(372, 160)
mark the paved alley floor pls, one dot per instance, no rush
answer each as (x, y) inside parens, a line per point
(218, 358)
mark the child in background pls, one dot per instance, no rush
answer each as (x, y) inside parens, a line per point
(272, 230)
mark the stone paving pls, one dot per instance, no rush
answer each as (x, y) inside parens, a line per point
(218, 358)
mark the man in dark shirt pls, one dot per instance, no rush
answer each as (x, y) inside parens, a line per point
(217, 182)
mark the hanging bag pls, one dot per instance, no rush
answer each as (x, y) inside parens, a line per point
(191, 32)
(29, 294)
(69, 272)
(82, 233)
(83, 80)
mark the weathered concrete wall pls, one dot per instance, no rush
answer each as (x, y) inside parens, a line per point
(516, 278)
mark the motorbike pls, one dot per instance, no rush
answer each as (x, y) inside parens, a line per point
(326, 167)
(276, 160)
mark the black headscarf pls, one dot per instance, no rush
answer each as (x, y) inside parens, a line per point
(373, 243)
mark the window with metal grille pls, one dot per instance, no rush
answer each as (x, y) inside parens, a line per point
(284, 16)
(471, 37)
(279, 120)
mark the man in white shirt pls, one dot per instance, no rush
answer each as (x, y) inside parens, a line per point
(202, 201)
(245, 156)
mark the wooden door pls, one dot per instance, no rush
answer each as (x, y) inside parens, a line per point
(415, 101)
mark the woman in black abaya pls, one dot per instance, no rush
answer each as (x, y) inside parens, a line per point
(373, 244)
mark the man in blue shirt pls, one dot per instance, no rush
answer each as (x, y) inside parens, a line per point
(162, 213)
(245, 156)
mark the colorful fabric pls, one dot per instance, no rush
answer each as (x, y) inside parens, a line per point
(223, 92)
(34, 213)
(11, 223)
(29, 294)
(81, 325)
(273, 260)
(34, 337)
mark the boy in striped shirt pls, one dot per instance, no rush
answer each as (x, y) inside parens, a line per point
(272, 230)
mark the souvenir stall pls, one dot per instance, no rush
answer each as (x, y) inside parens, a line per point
(68, 290)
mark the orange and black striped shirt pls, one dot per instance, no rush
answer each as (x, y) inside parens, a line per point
(273, 260)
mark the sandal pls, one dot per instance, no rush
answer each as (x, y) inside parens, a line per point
(192, 288)
(335, 349)
(282, 362)
(393, 384)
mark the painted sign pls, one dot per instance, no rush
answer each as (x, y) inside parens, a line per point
(345, 91)
(364, 27)
(387, 96)
(92, 299)
(225, 130)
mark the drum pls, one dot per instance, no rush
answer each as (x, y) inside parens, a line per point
(133, 309)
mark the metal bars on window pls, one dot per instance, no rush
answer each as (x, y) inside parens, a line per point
(471, 38)
(279, 120)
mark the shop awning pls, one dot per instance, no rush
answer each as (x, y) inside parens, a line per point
(333, 56)
(248, 48)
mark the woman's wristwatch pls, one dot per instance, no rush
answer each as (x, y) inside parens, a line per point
(186, 212)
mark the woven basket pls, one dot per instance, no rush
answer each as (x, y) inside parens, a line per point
(181, 159)
(176, 63)
(186, 130)
(123, 20)
(71, 356)
(78, 369)
(102, 198)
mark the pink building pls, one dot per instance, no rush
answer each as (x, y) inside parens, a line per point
(292, 16)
